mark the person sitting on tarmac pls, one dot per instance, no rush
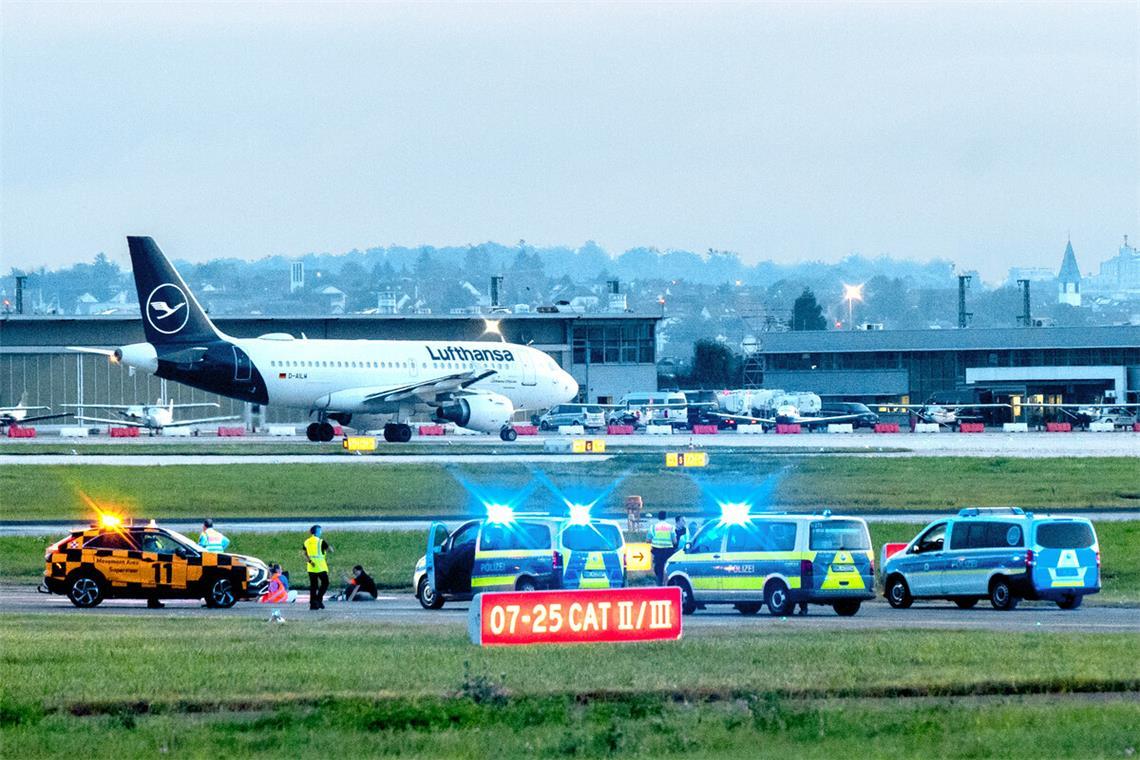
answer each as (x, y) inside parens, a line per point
(360, 588)
(278, 590)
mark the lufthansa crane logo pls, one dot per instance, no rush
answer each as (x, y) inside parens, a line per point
(166, 309)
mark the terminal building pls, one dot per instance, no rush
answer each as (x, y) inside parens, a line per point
(608, 354)
(1057, 364)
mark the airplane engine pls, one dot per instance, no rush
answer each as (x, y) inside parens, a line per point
(488, 412)
(138, 355)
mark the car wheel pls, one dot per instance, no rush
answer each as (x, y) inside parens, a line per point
(749, 608)
(220, 593)
(1070, 602)
(526, 584)
(965, 604)
(688, 604)
(1001, 595)
(777, 598)
(429, 600)
(847, 607)
(898, 593)
(85, 591)
(544, 425)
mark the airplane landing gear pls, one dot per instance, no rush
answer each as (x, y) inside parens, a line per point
(397, 432)
(508, 433)
(319, 431)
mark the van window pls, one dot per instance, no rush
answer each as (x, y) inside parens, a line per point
(593, 410)
(762, 536)
(985, 535)
(514, 536)
(709, 539)
(932, 540)
(1065, 535)
(595, 537)
(832, 535)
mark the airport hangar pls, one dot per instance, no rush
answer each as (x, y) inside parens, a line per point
(608, 354)
(998, 365)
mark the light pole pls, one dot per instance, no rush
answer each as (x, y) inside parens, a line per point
(851, 294)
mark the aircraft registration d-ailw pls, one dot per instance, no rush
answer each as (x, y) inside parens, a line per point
(476, 385)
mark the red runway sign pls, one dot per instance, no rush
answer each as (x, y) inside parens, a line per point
(576, 617)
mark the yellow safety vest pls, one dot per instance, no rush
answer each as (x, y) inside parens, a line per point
(314, 547)
(661, 537)
(212, 540)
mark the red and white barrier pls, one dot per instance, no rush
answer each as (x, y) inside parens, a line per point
(783, 429)
(971, 427)
(526, 429)
(14, 431)
(431, 430)
(1136, 427)
(123, 432)
(619, 429)
(238, 432)
(705, 429)
(888, 551)
(886, 427)
(1058, 427)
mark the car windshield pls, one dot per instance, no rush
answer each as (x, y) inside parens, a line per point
(593, 537)
(1065, 535)
(831, 535)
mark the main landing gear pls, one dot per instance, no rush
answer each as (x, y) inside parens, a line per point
(397, 432)
(508, 433)
(320, 431)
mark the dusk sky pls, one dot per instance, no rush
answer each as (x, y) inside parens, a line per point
(981, 133)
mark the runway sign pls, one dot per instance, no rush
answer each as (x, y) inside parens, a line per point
(687, 459)
(638, 558)
(588, 446)
(359, 443)
(650, 613)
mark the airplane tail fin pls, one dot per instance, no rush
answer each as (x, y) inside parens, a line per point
(170, 313)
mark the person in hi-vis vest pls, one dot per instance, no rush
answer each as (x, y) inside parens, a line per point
(662, 542)
(316, 548)
(211, 539)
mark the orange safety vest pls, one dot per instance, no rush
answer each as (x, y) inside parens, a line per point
(276, 592)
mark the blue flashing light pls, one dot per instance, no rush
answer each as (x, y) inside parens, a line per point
(734, 513)
(500, 513)
(579, 513)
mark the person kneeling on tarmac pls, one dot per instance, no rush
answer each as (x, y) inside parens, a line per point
(360, 588)
(278, 589)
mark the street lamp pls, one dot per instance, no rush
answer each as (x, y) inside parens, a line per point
(851, 294)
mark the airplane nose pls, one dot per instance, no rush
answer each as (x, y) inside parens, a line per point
(570, 385)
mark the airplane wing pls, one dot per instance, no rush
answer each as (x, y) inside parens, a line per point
(1078, 406)
(203, 420)
(9, 420)
(199, 405)
(118, 423)
(427, 390)
(744, 418)
(87, 350)
(822, 420)
(100, 406)
(14, 409)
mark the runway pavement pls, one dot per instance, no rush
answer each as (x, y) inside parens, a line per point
(404, 609)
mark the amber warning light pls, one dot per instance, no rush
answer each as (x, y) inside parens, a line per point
(649, 613)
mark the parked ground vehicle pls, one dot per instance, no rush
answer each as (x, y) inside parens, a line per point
(1004, 555)
(861, 415)
(778, 561)
(589, 417)
(656, 408)
(144, 561)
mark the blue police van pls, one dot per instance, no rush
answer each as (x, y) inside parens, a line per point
(778, 561)
(1003, 554)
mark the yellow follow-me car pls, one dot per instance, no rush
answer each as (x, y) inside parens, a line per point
(143, 561)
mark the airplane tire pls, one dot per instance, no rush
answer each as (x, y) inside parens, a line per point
(325, 432)
(313, 431)
(402, 433)
(508, 434)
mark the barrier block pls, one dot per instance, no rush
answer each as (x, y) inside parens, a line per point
(1101, 427)
(14, 431)
(1015, 427)
(526, 429)
(233, 432)
(123, 432)
(571, 430)
(928, 427)
(1058, 427)
(705, 429)
(788, 429)
(1136, 427)
(886, 427)
(659, 429)
(840, 427)
(888, 551)
(74, 432)
(359, 443)
(281, 431)
(182, 431)
(971, 427)
(750, 429)
(430, 430)
(619, 429)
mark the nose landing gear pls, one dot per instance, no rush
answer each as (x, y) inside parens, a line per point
(320, 431)
(508, 433)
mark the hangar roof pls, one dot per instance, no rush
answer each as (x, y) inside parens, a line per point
(972, 339)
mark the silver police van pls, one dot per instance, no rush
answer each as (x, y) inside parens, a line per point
(1004, 555)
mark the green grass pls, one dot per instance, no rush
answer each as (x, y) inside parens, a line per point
(853, 484)
(389, 556)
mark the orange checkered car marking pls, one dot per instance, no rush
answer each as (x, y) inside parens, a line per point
(147, 562)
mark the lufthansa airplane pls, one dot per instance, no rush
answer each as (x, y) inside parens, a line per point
(476, 385)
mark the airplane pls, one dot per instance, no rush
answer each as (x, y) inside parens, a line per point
(154, 417)
(947, 415)
(475, 384)
(15, 415)
(788, 414)
(1121, 415)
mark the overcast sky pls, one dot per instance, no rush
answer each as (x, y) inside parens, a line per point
(982, 133)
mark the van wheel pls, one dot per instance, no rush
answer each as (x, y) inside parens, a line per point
(429, 600)
(688, 604)
(526, 584)
(544, 425)
(898, 593)
(220, 593)
(965, 604)
(1001, 595)
(749, 608)
(847, 607)
(777, 598)
(1070, 602)
(85, 590)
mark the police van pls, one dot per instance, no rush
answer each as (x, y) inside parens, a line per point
(778, 561)
(522, 553)
(1004, 555)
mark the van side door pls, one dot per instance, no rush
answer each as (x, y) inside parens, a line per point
(927, 562)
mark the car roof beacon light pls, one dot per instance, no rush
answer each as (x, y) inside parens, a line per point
(500, 513)
(734, 513)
